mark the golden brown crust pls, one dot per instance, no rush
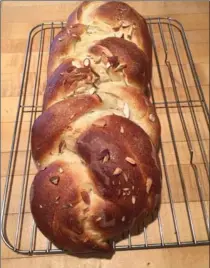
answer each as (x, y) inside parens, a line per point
(62, 44)
(116, 13)
(125, 194)
(49, 126)
(96, 142)
(134, 62)
(59, 205)
(65, 79)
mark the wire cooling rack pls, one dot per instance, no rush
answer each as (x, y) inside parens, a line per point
(183, 218)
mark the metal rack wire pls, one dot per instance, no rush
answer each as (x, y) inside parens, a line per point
(183, 219)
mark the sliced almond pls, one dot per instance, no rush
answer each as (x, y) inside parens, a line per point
(134, 26)
(130, 32)
(60, 39)
(126, 110)
(62, 146)
(40, 206)
(60, 170)
(148, 184)
(126, 189)
(125, 177)
(126, 24)
(117, 171)
(75, 35)
(100, 123)
(57, 198)
(120, 67)
(121, 129)
(106, 158)
(55, 180)
(108, 65)
(152, 117)
(130, 160)
(69, 205)
(92, 91)
(133, 199)
(98, 219)
(86, 62)
(147, 102)
(123, 218)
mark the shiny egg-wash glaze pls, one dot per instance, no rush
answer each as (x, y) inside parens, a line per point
(96, 142)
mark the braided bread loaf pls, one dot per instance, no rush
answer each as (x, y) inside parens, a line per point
(95, 144)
